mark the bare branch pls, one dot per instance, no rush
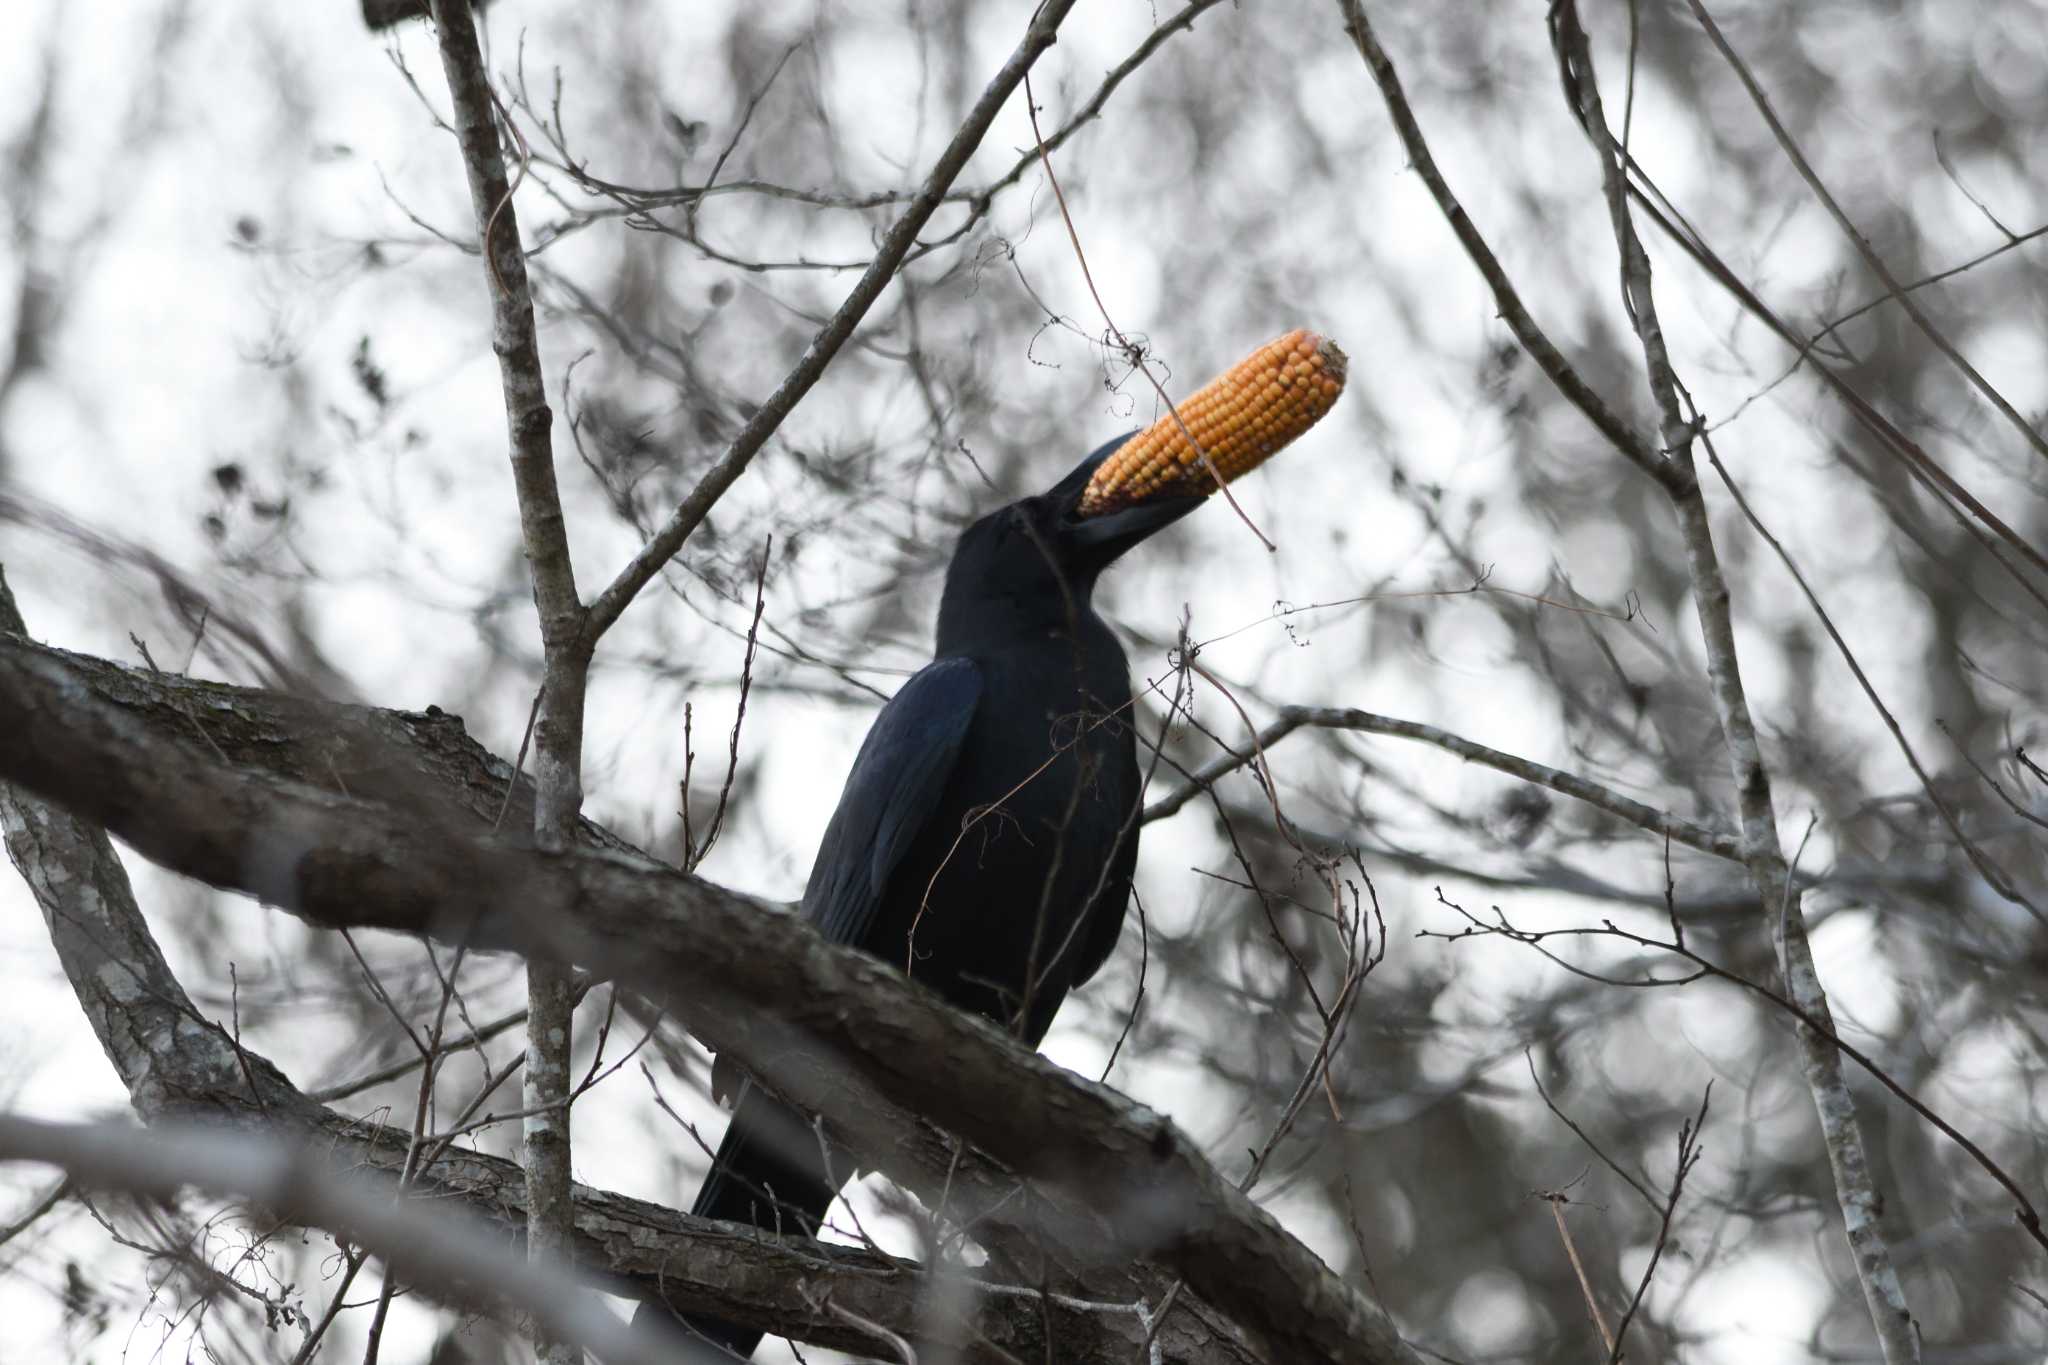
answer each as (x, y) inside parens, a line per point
(1993, 875)
(1855, 1187)
(1901, 295)
(1595, 1148)
(1557, 1200)
(747, 979)
(1688, 1157)
(436, 1246)
(59, 1191)
(1292, 718)
(1623, 437)
(1944, 487)
(895, 247)
(558, 729)
(2024, 1212)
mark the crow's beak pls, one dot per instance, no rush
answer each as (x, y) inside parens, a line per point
(1107, 535)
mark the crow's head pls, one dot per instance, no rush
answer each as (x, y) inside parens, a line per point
(1039, 558)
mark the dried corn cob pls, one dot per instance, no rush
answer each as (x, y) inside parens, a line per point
(1241, 418)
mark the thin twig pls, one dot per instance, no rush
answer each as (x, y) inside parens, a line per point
(1132, 353)
(1688, 1157)
(1947, 491)
(1557, 1200)
(2024, 1212)
(353, 1258)
(472, 1039)
(1719, 843)
(1869, 253)
(423, 1106)
(55, 1195)
(1595, 1148)
(826, 344)
(695, 854)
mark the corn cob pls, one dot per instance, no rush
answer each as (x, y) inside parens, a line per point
(1241, 418)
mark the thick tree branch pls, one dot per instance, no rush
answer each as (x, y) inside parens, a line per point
(844, 1035)
(180, 1066)
(412, 760)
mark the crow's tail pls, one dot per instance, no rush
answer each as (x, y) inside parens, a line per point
(772, 1171)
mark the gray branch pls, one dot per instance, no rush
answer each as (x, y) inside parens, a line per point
(1673, 469)
(1720, 843)
(180, 1066)
(1125, 1185)
(459, 1258)
(1856, 1192)
(565, 677)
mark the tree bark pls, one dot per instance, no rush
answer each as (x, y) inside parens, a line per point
(744, 975)
(179, 1066)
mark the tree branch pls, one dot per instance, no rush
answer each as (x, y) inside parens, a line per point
(1717, 842)
(1855, 1186)
(458, 1257)
(1674, 470)
(179, 1066)
(843, 1034)
(1619, 433)
(896, 245)
(565, 649)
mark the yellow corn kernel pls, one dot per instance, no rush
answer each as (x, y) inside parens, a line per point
(1241, 419)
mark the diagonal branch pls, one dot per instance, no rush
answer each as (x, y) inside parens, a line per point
(1944, 487)
(1689, 1153)
(180, 1066)
(870, 1043)
(1619, 433)
(896, 246)
(1898, 292)
(1719, 843)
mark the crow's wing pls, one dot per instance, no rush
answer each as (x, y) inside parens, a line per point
(771, 1168)
(890, 795)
